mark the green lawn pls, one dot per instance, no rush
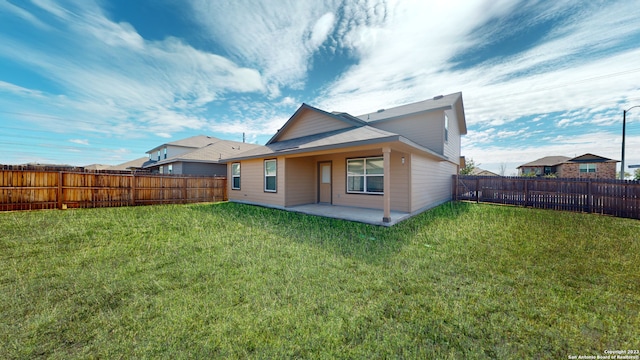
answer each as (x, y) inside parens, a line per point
(227, 280)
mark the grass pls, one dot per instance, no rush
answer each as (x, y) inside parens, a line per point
(228, 280)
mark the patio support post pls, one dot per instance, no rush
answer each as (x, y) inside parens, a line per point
(386, 197)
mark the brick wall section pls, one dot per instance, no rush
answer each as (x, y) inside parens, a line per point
(603, 171)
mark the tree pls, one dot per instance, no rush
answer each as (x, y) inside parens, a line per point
(468, 167)
(636, 174)
(503, 168)
(626, 175)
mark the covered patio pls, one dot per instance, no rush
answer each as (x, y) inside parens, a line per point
(350, 213)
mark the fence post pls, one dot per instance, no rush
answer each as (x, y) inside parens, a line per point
(184, 190)
(132, 197)
(60, 177)
(455, 187)
(589, 196)
(477, 189)
(526, 193)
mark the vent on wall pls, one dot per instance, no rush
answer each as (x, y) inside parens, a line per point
(438, 97)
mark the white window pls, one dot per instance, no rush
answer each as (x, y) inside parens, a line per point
(446, 127)
(161, 170)
(158, 155)
(170, 168)
(270, 171)
(365, 175)
(587, 168)
(165, 153)
(235, 176)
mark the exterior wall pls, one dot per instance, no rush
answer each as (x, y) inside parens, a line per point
(309, 123)
(430, 182)
(452, 145)
(426, 129)
(252, 183)
(171, 152)
(400, 197)
(301, 181)
(604, 170)
(193, 168)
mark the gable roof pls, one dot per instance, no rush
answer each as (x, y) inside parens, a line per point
(590, 158)
(197, 141)
(547, 161)
(343, 117)
(482, 172)
(440, 102)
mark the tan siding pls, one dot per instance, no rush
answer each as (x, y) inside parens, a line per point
(309, 123)
(452, 147)
(426, 129)
(300, 181)
(430, 182)
(252, 184)
(399, 181)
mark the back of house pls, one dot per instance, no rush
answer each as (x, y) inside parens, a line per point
(399, 159)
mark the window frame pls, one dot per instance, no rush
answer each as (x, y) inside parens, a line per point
(274, 176)
(446, 128)
(235, 176)
(364, 175)
(588, 168)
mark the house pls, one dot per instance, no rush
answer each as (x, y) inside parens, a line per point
(196, 155)
(396, 160)
(132, 165)
(482, 172)
(584, 166)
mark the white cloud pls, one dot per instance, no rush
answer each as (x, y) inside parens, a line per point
(321, 30)
(23, 14)
(80, 141)
(279, 37)
(108, 73)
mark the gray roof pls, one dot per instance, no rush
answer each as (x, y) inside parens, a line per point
(337, 139)
(196, 142)
(450, 101)
(215, 152)
(547, 161)
(135, 164)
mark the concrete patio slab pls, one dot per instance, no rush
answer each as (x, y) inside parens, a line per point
(363, 215)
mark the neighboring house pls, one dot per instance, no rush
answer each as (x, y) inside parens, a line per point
(196, 155)
(132, 165)
(482, 172)
(399, 159)
(584, 166)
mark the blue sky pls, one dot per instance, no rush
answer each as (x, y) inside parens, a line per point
(90, 81)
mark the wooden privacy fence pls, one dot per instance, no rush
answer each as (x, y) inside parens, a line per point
(37, 189)
(612, 197)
